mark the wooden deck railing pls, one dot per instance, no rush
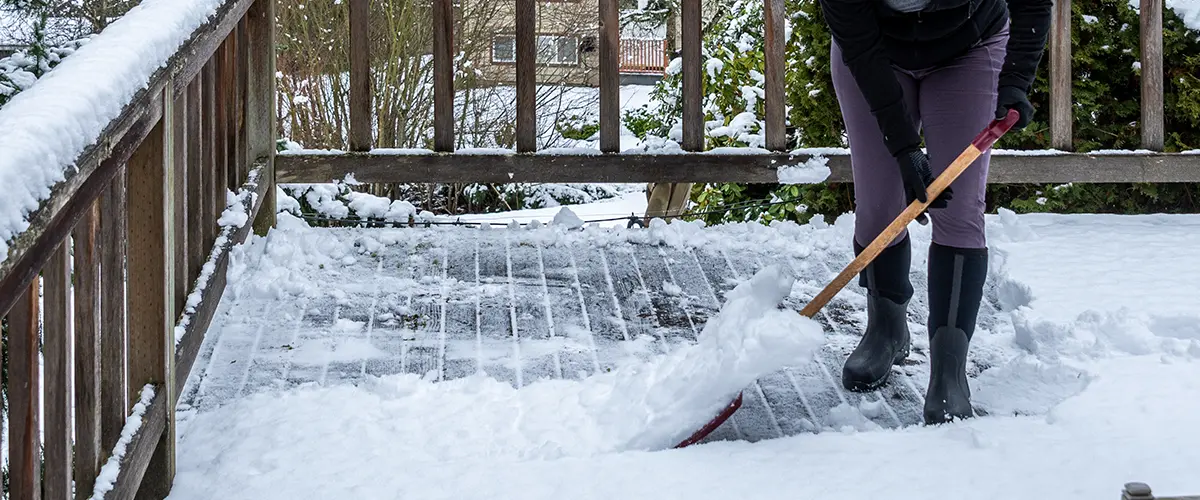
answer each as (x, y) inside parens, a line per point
(697, 165)
(117, 249)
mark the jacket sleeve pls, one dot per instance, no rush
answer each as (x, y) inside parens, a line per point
(1028, 32)
(855, 28)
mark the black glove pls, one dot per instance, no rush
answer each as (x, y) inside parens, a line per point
(917, 176)
(1007, 98)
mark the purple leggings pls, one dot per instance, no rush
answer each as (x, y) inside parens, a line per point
(950, 104)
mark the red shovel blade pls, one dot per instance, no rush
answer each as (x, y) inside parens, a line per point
(713, 424)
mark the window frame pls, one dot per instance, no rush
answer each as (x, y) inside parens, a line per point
(495, 41)
(556, 39)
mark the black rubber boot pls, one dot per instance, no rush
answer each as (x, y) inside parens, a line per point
(956, 277)
(886, 339)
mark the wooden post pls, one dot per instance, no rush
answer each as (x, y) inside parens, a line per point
(775, 65)
(443, 75)
(693, 93)
(360, 75)
(57, 346)
(1153, 130)
(260, 104)
(113, 250)
(1061, 116)
(24, 389)
(87, 352)
(610, 77)
(151, 285)
(526, 49)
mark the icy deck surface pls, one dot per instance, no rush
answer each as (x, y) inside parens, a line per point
(524, 305)
(1085, 363)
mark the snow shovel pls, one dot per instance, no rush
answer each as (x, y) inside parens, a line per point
(982, 142)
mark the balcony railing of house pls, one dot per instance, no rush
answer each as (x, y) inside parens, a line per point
(643, 56)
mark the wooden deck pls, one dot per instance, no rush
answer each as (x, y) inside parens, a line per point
(445, 302)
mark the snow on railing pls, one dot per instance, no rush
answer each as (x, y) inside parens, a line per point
(112, 468)
(49, 125)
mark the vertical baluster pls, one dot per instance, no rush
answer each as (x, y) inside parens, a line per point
(443, 75)
(87, 352)
(113, 251)
(213, 189)
(1061, 117)
(221, 57)
(24, 446)
(610, 78)
(775, 66)
(229, 84)
(1153, 129)
(196, 180)
(241, 91)
(179, 140)
(693, 117)
(57, 391)
(526, 76)
(360, 75)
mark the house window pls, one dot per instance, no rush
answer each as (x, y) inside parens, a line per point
(504, 49)
(556, 49)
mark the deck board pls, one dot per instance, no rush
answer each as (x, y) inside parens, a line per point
(453, 303)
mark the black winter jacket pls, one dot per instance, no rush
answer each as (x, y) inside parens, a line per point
(874, 38)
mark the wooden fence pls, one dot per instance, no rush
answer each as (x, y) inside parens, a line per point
(443, 164)
(132, 230)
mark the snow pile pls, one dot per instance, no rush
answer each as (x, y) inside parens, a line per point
(112, 468)
(1098, 334)
(235, 213)
(1061, 333)
(566, 218)
(812, 171)
(367, 205)
(49, 125)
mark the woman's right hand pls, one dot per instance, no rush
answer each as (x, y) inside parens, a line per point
(917, 176)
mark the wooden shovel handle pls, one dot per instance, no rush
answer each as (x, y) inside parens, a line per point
(984, 140)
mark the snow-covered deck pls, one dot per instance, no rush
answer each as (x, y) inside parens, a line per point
(299, 390)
